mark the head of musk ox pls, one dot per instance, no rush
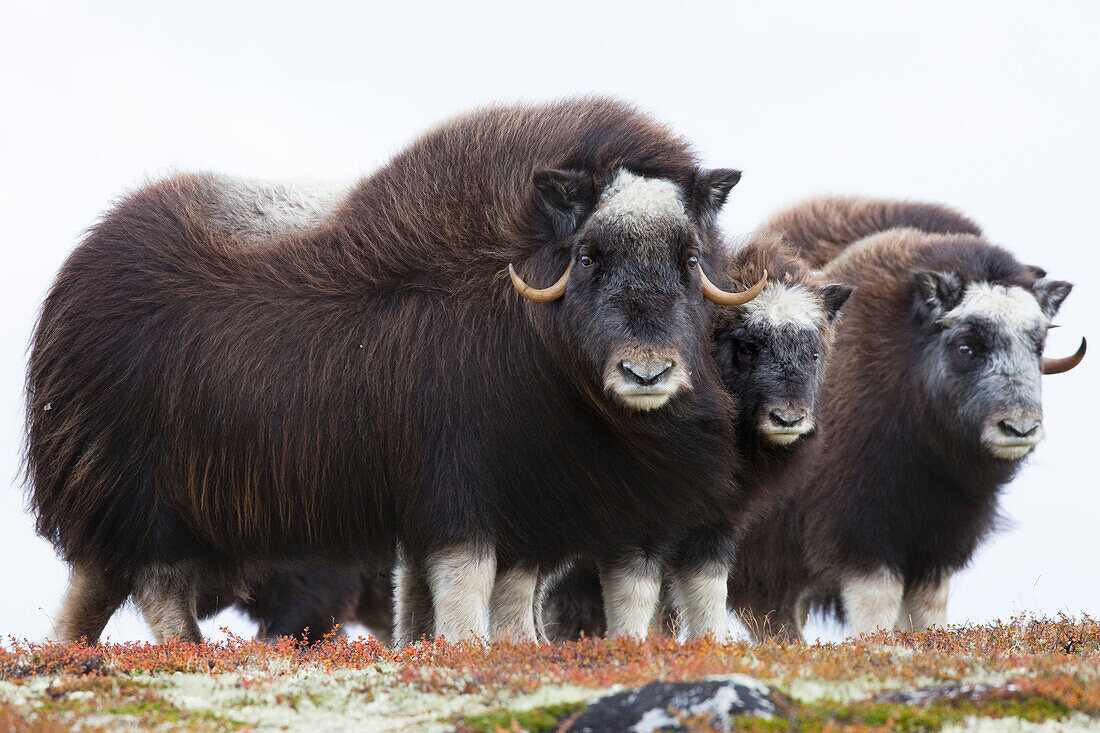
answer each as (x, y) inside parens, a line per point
(631, 249)
(982, 358)
(771, 352)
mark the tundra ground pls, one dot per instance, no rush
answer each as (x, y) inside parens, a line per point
(1024, 674)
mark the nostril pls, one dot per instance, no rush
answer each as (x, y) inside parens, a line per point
(646, 373)
(787, 419)
(1019, 428)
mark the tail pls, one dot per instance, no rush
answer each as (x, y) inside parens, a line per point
(821, 228)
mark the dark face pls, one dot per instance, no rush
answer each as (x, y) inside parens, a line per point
(982, 365)
(634, 306)
(771, 354)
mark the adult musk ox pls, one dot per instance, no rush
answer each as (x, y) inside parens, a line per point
(931, 400)
(368, 375)
(771, 354)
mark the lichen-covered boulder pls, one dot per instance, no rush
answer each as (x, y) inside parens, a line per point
(665, 705)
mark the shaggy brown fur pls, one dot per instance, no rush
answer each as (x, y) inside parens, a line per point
(196, 405)
(903, 486)
(823, 227)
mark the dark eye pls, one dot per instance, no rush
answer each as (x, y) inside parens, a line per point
(965, 350)
(586, 261)
(693, 262)
(744, 351)
(816, 356)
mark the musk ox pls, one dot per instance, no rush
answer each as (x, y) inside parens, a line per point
(368, 376)
(931, 399)
(770, 354)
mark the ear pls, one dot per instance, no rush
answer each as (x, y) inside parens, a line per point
(1036, 272)
(710, 190)
(1050, 294)
(835, 295)
(565, 197)
(939, 291)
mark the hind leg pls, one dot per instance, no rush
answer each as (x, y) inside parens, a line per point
(511, 606)
(413, 616)
(871, 600)
(923, 606)
(88, 605)
(166, 595)
(461, 580)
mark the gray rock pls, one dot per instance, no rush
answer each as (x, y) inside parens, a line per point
(661, 706)
(926, 695)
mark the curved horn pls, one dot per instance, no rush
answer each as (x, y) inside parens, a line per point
(1057, 366)
(540, 295)
(721, 297)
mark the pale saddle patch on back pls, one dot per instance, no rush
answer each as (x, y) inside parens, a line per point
(255, 212)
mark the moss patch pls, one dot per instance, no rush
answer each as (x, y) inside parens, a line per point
(536, 720)
(887, 716)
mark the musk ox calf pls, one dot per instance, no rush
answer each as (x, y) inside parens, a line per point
(307, 601)
(771, 355)
(369, 377)
(931, 400)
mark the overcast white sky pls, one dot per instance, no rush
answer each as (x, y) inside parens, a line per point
(993, 107)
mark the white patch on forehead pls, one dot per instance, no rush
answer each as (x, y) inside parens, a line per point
(634, 201)
(780, 304)
(1013, 306)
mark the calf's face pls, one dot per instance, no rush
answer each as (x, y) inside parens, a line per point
(771, 354)
(983, 362)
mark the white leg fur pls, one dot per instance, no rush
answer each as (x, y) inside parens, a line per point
(88, 605)
(871, 601)
(631, 592)
(924, 606)
(166, 597)
(412, 604)
(547, 579)
(511, 607)
(701, 594)
(461, 581)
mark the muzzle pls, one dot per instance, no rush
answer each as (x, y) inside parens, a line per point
(783, 423)
(1011, 434)
(645, 378)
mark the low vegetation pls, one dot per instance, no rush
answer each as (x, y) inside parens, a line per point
(1027, 669)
